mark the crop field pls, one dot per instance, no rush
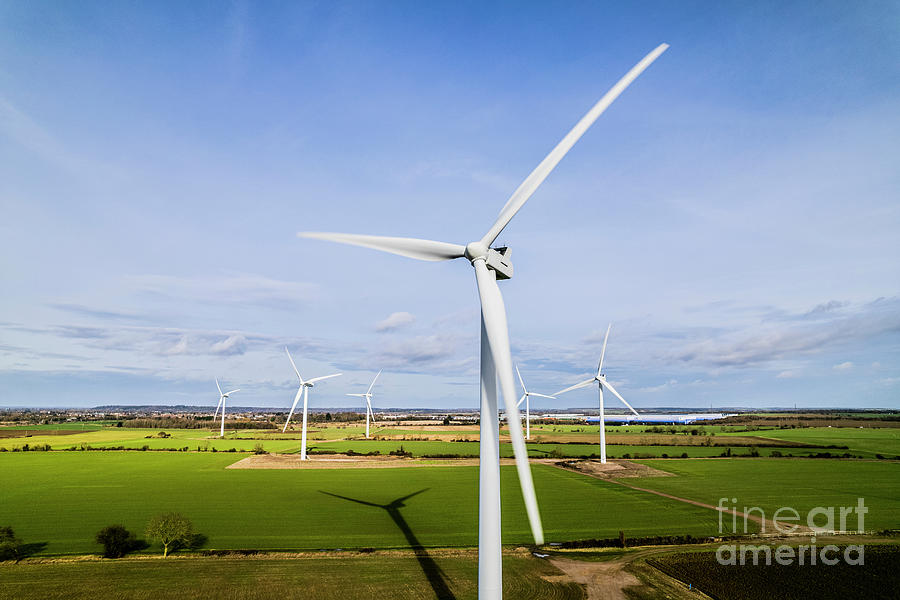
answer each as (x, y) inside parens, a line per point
(373, 576)
(798, 483)
(876, 578)
(61, 499)
(332, 439)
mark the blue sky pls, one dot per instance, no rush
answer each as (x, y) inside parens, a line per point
(735, 213)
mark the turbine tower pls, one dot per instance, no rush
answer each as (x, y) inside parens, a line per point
(304, 390)
(490, 265)
(368, 397)
(526, 395)
(222, 397)
(600, 378)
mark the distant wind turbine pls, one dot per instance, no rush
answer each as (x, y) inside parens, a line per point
(600, 378)
(222, 397)
(490, 265)
(368, 397)
(526, 399)
(304, 390)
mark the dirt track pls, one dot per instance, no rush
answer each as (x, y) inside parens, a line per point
(292, 461)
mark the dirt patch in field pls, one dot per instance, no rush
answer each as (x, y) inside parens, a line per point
(601, 580)
(21, 433)
(613, 469)
(293, 461)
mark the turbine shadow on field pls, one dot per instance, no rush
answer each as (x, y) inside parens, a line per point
(436, 577)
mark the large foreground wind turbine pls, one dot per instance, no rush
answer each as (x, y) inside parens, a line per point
(368, 397)
(600, 378)
(222, 397)
(526, 398)
(492, 264)
(304, 390)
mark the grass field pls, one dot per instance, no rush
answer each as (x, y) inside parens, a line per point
(865, 442)
(361, 577)
(63, 498)
(799, 483)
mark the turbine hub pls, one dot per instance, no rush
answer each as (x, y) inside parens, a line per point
(476, 250)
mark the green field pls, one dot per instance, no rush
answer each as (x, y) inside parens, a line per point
(864, 442)
(362, 577)
(799, 483)
(62, 499)
(274, 441)
(432, 448)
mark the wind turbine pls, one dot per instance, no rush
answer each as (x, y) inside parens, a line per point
(304, 390)
(368, 397)
(600, 378)
(526, 399)
(492, 264)
(222, 397)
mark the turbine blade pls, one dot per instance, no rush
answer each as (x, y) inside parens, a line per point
(315, 379)
(232, 391)
(618, 395)
(576, 386)
(522, 399)
(409, 247)
(218, 406)
(542, 395)
(603, 352)
(369, 408)
(290, 358)
(531, 183)
(495, 326)
(293, 406)
(369, 391)
(520, 380)
(218, 386)
(357, 395)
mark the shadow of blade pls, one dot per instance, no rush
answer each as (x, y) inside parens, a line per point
(436, 577)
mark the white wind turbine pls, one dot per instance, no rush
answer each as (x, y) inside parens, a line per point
(222, 397)
(368, 397)
(491, 264)
(601, 383)
(526, 395)
(304, 390)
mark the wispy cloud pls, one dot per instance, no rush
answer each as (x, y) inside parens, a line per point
(17, 125)
(246, 289)
(98, 313)
(785, 340)
(395, 321)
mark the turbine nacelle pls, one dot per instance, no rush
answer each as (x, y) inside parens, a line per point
(496, 259)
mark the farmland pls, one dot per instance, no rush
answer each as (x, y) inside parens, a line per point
(548, 440)
(63, 498)
(374, 576)
(773, 483)
(304, 527)
(876, 578)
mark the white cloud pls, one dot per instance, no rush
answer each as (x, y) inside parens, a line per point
(786, 375)
(241, 288)
(844, 366)
(180, 347)
(395, 321)
(233, 344)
